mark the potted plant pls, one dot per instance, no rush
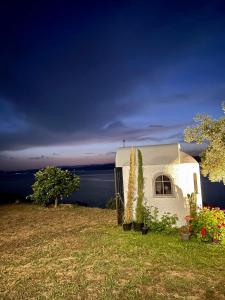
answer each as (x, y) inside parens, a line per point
(127, 226)
(137, 226)
(184, 233)
(128, 211)
(139, 208)
(144, 229)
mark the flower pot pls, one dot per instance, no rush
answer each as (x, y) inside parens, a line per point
(144, 230)
(137, 226)
(185, 236)
(215, 241)
(127, 227)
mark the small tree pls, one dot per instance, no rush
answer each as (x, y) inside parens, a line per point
(213, 133)
(139, 207)
(53, 184)
(128, 212)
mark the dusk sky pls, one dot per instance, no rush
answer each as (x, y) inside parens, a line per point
(76, 78)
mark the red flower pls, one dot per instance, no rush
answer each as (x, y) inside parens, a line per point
(203, 232)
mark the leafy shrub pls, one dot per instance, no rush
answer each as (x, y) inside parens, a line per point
(167, 222)
(52, 184)
(209, 225)
(111, 204)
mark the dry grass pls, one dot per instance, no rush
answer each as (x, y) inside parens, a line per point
(80, 253)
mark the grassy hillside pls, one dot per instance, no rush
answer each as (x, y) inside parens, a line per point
(80, 253)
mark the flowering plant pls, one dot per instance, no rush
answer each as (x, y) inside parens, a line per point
(209, 225)
(188, 220)
(184, 229)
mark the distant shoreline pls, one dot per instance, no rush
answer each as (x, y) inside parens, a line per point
(93, 167)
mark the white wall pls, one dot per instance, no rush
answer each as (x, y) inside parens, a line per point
(183, 184)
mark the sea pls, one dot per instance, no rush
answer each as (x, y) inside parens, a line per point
(96, 187)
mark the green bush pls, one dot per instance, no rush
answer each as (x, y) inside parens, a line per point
(209, 225)
(53, 184)
(165, 223)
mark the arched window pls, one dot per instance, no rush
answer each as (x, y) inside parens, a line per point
(163, 185)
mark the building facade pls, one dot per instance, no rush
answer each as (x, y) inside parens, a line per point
(169, 176)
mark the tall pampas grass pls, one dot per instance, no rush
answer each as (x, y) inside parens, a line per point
(128, 213)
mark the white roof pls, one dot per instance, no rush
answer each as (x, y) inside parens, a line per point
(155, 155)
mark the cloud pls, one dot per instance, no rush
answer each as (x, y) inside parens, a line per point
(106, 72)
(110, 153)
(156, 126)
(55, 154)
(115, 125)
(6, 157)
(176, 138)
(38, 157)
(10, 121)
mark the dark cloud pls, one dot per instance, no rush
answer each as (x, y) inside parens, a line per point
(110, 153)
(55, 154)
(175, 138)
(38, 157)
(75, 73)
(156, 126)
(6, 157)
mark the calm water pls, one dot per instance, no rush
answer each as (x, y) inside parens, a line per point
(97, 187)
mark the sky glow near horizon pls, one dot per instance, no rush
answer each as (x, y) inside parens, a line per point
(76, 79)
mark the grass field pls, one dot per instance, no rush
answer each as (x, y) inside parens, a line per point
(80, 253)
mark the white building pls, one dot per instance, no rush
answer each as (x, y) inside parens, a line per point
(169, 175)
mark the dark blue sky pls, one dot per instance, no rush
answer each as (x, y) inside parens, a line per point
(76, 78)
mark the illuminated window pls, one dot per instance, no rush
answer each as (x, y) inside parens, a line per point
(163, 185)
(195, 183)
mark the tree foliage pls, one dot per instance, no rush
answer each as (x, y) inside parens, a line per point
(213, 133)
(139, 207)
(128, 212)
(53, 184)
